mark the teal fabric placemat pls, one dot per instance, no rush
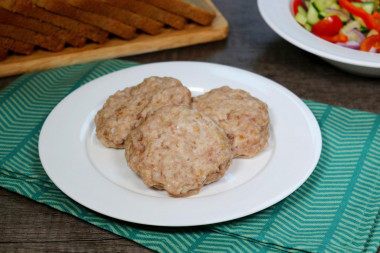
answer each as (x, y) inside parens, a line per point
(335, 210)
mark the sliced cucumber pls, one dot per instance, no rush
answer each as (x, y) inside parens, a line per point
(312, 15)
(321, 5)
(363, 29)
(302, 10)
(372, 32)
(349, 26)
(335, 6)
(307, 27)
(324, 14)
(308, 3)
(340, 13)
(367, 6)
(347, 29)
(300, 18)
(360, 20)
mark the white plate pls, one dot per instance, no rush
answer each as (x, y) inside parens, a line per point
(99, 178)
(278, 15)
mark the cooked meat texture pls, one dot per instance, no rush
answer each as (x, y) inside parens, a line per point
(126, 108)
(179, 150)
(244, 118)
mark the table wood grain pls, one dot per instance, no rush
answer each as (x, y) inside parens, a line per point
(27, 226)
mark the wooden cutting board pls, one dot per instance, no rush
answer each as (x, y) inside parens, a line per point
(193, 34)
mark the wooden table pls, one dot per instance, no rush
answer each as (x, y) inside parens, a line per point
(251, 45)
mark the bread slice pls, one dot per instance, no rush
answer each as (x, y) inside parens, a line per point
(7, 17)
(199, 11)
(110, 25)
(150, 11)
(51, 43)
(28, 9)
(143, 23)
(16, 46)
(3, 53)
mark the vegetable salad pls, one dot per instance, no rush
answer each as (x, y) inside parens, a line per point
(350, 23)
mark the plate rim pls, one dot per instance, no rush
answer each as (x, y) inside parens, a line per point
(181, 201)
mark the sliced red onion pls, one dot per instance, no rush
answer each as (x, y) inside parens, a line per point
(350, 44)
(360, 35)
(303, 3)
(372, 50)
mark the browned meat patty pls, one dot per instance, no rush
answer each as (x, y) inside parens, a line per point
(244, 118)
(126, 108)
(178, 149)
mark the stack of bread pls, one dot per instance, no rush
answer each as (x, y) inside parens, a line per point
(53, 25)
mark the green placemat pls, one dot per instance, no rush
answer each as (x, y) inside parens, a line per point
(335, 210)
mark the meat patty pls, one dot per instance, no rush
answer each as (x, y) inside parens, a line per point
(179, 150)
(126, 108)
(244, 118)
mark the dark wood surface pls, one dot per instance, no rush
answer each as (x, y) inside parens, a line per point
(26, 226)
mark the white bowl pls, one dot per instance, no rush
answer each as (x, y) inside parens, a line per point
(278, 15)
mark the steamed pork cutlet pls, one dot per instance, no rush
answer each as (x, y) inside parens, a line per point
(126, 108)
(244, 118)
(179, 150)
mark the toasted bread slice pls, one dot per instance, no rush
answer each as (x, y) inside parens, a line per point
(199, 11)
(150, 11)
(143, 23)
(16, 46)
(110, 25)
(51, 43)
(7, 17)
(27, 8)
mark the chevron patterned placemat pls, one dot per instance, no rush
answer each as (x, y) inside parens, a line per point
(335, 210)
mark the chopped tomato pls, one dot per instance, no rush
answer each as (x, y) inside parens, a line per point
(335, 39)
(296, 3)
(328, 26)
(376, 15)
(368, 19)
(372, 41)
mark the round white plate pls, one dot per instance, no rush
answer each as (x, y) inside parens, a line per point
(99, 178)
(278, 15)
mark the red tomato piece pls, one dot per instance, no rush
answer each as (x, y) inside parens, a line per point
(369, 21)
(335, 38)
(372, 41)
(296, 3)
(328, 26)
(376, 15)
